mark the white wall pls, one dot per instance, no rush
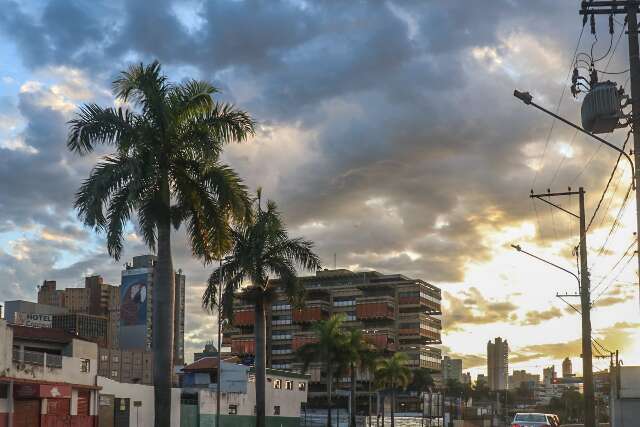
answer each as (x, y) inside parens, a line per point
(6, 345)
(71, 372)
(142, 416)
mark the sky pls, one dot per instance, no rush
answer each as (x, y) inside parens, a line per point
(387, 133)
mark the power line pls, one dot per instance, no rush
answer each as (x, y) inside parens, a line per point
(615, 167)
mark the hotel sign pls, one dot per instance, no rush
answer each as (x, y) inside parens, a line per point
(34, 320)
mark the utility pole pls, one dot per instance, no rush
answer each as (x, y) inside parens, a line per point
(585, 302)
(630, 9)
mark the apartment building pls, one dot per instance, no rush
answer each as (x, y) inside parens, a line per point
(498, 364)
(126, 366)
(395, 313)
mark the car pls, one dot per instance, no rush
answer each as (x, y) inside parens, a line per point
(555, 419)
(534, 419)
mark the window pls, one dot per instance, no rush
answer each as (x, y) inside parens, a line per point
(302, 386)
(115, 358)
(277, 384)
(340, 302)
(85, 365)
(288, 385)
(233, 409)
(114, 373)
(276, 410)
(4, 390)
(351, 316)
(104, 357)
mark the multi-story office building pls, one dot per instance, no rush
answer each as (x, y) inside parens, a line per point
(498, 364)
(136, 307)
(549, 375)
(395, 313)
(126, 366)
(522, 377)
(451, 369)
(85, 326)
(567, 368)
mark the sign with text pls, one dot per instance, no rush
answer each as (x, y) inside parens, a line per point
(34, 320)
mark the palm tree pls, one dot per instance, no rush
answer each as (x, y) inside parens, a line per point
(369, 362)
(263, 255)
(394, 373)
(166, 169)
(329, 350)
(356, 352)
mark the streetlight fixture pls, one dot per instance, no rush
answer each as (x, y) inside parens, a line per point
(527, 98)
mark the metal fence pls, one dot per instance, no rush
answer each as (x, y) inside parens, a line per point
(37, 358)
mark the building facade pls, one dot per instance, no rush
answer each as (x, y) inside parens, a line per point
(451, 369)
(395, 313)
(126, 366)
(136, 307)
(522, 377)
(498, 364)
(567, 368)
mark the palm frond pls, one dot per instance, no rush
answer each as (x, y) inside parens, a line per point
(94, 125)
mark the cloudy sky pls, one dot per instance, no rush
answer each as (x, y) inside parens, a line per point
(388, 134)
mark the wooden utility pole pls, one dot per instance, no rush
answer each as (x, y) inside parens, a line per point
(585, 302)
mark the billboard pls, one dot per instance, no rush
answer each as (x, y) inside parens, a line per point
(33, 320)
(133, 300)
(135, 290)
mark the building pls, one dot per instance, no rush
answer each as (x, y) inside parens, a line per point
(567, 370)
(208, 351)
(21, 307)
(136, 307)
(498, 364)
(395, 313)
(549, 375)
(285, 392)
(624, 401)
(451, 369)
(482, 378)
(49, 295)
(466, 378)
(522, 377)
(126, 366)
(86, 326)
(47, 377)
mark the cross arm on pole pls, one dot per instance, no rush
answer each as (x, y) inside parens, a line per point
(541, 197)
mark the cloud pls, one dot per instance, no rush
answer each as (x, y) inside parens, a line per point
(472, 308)
(536, 317)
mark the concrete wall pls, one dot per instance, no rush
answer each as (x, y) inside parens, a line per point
(84, 349)
(142, 416)
(71, 372)
(6, 340)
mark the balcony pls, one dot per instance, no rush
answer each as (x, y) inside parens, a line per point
(380, 341)
(244, 318)
(300, 340)
(419, 327)
(371, 308)
(311, 313)
(37, 358)
(52, 367)
(427, 300)
(243, 346)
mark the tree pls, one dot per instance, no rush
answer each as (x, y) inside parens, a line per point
(422, 380)
(166, 168)
(357, 353)
(369, 362)
(329, 350)
(261, 252)
(394, 373)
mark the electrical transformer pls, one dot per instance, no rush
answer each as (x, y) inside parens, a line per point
(601, 108)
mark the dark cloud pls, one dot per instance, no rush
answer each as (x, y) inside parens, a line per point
(536, 317)
(472, 308)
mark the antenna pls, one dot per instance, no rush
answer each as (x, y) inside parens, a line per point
(335, 260)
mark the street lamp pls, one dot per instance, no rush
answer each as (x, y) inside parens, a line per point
(527, 98)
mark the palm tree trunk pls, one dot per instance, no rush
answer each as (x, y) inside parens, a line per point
(393, 406)
(329, 384)
(261, 362)
(163, 302)
(218, 363)
(352, 418)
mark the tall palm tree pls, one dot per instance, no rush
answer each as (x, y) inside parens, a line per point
(369, 362)
(394, 373)
(356, 352)
(166, 169)
(263, 256)
(329, 350)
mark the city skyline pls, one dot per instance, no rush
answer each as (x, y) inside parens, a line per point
(388, 177)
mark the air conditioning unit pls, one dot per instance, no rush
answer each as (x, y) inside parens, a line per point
(601, 108)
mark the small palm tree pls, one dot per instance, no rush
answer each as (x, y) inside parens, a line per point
(394, 373)
(166, 168)
(261, 253)
(356, 352)
(329, 350)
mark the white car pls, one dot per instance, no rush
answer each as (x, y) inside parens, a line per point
(533, 420)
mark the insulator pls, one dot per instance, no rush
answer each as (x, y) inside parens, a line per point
(592, 21)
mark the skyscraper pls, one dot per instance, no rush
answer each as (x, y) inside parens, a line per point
(451, 369)
(498, 364)
(136, 307)
(567, 369)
